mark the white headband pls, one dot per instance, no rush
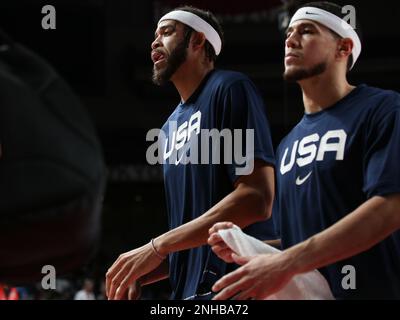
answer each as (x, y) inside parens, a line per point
(333, 22)
(197, 24)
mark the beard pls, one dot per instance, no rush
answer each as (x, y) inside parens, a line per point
(174, 61)
(301, 74)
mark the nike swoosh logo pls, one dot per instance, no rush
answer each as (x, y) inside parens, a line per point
(315, 14)
(300, 181)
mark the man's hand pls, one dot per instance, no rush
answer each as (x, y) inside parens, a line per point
(129, 267)
(219, 247)
(134, 291)
(258, 277)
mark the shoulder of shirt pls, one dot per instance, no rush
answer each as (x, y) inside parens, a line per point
(386, 100)
(383, 101)
(226, 78)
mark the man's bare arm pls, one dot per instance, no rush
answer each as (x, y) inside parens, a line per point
(251, 201)
(263, 275)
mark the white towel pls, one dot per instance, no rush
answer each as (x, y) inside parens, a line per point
(307, 286)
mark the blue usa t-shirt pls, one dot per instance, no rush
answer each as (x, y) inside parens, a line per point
(327, 166)
(230, 103)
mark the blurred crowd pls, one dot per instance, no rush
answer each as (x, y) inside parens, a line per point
(86, 289)
(66, 289)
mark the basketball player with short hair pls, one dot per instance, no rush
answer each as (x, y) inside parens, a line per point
(187, 43)
(338, 174)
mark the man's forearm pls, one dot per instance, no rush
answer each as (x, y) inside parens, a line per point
(276, 243)
(369, 224)
(243, 207)
(157, 274)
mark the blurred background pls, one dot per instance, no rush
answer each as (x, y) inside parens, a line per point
(102, 49)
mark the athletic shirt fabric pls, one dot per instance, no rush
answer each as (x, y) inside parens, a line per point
(327, 166)
(224, 100)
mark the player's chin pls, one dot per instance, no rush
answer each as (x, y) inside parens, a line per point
(291, 68)
(157, 70)
(160, 64)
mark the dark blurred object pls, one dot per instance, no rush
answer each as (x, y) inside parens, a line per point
(52, 173)
(76, 48)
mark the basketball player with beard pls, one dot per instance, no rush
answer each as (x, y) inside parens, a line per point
(338, 179)
(187, 43)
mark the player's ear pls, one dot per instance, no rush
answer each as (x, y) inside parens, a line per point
(198, 40)
(345, 48)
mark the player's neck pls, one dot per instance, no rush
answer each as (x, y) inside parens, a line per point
(323, 91)
(188, 77)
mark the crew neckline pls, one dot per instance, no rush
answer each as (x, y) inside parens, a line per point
(310, 117)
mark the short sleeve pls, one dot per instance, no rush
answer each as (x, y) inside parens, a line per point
(382, 151)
